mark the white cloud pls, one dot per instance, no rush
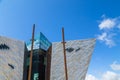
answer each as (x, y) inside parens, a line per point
(90, 77)
(107, 38)
(102, 37)
(115, 66)
(109, 75)
(109, 28)
(107, 24)
(109, 42)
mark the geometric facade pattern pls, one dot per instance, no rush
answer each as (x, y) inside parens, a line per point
(13, 55)
(78, 55)
(11, 59)
(40, 42)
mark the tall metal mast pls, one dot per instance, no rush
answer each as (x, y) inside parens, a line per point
(31, 54)
(65, 62)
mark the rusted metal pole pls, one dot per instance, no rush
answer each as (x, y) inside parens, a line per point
(65, 62)
(31, 54)
(48, 67)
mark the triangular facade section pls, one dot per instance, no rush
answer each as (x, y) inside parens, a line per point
(78, 55)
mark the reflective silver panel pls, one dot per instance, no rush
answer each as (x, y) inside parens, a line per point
(11, 59)
(78, 54)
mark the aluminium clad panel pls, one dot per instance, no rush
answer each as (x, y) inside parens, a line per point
(12, 59)
(78, 54)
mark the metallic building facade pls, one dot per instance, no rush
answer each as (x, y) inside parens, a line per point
(40, 57)
(78, 54)
(12, 53)
(14, 56)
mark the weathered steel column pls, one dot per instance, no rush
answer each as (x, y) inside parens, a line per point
(31, 54)
(65, 62)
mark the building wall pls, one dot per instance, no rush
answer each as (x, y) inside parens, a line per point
(12, 59)
(78, 54)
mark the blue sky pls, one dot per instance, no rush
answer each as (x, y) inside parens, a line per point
(81, 19)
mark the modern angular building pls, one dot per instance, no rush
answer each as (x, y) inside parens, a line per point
(47, 59)
(12, 58)
(78, 55)
(41, 57)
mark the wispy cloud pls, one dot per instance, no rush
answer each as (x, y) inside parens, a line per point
(107, 27)
(107, 24)
(90, 77)
(106, 38)
(107, 75)
(115, 66)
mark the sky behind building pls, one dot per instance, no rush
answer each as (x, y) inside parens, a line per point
(81, 19)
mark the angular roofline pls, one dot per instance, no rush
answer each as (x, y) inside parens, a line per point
(78, 40)
(12, 38)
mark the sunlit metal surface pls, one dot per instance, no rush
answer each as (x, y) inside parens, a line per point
(78, 53)
(12, 59)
